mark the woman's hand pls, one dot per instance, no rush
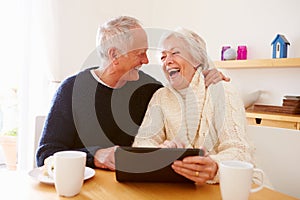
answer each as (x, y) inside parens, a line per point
(196, 168)
(172, 144)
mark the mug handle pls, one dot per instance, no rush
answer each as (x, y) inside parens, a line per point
(50, 166)
(258, 180)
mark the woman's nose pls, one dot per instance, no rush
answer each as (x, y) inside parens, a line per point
(169, 59)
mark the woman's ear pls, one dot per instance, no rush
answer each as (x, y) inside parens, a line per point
(113, 55)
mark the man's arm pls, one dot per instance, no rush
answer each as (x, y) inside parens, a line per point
(59, 132)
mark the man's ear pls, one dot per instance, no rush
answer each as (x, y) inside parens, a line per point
(113, 55)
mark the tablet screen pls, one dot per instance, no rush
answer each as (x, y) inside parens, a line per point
(140, 164)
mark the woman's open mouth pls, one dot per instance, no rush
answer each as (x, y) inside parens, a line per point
(173, 72)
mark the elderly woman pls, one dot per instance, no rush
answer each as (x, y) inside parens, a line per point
(187, 114)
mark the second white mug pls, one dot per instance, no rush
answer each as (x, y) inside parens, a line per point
(236, 178)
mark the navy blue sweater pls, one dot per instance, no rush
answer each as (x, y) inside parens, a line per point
(86, 115)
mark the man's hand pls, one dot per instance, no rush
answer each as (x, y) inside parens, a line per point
(213, 76)
(105, 158)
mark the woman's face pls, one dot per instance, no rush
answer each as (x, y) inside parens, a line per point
(177, 63)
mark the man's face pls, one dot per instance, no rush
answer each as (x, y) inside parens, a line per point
(131, 61)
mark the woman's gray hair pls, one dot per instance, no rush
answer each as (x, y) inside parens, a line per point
(115, 33)
(196, 46)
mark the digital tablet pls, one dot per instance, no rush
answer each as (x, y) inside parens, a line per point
(136, 164)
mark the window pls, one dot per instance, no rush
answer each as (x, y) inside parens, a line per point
(11, 58)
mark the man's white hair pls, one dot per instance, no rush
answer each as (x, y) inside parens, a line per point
(115, 33)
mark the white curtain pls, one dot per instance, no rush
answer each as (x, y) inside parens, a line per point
(40, 71)
(46, 60)
(34, 83)
(14, 57)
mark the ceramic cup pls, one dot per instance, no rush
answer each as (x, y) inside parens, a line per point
(68, 173)
(236, 178)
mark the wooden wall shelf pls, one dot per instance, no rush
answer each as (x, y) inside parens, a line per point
(266, 118)
(259, 63)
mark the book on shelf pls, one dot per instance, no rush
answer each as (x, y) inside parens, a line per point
(292, 97)
(291, 102)
(290, 105)
(276, 109)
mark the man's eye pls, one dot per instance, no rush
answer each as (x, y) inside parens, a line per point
(162, 58)
(175, 52)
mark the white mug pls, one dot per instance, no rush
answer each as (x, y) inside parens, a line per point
(68, 173)
(236, 179)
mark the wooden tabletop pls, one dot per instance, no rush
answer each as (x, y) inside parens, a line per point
(19, 185)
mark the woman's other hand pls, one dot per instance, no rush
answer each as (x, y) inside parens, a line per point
(196, 168)
(172, 144)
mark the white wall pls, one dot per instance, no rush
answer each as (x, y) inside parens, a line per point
(254, 23)
(70, 28)
(234, 22)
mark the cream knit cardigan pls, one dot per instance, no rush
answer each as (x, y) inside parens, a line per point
(213, 118)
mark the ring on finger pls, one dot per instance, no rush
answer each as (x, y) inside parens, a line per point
(196, 173)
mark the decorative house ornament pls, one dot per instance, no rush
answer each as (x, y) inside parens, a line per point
(280, 46)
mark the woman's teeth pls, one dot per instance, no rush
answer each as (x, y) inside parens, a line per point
(173, 71)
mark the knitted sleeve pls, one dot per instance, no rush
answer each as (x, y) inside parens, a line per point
(232, 139)
(151, 132)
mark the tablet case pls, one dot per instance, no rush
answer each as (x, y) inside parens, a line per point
(136, 164)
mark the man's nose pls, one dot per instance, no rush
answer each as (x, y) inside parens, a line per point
(145, 59)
